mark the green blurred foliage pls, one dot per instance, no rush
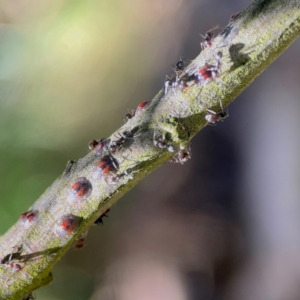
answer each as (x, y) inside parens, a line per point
(69, 71)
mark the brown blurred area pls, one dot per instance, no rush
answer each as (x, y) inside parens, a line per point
(223, 226)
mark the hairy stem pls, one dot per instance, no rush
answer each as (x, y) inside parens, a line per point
(247, 46)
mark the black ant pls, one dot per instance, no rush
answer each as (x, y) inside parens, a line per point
(7, 260)
(99, 221)
(124, 136)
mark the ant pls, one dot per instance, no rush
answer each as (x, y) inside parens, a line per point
(99, 145)
(93, 144)
(179, 70)
(141, 106)
(179, 67)
(169, 82)
(80, 241)
(99, 221)
(117, 144)
(29, 297)
(129, 116)
(212, 117)
(175, 81)
(160, 142)
(182, 156)
(207, 38)
(13, 256)
(234, 16)
(115, 179)
(7, 260)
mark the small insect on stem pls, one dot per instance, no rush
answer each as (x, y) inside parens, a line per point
(29, 297)
(15, 267)
(117, 144)
(29, 217)
(66, 225)
(129, 116)
(179, 67)
(209, 72)
(80, 190)
(160, 142)
(212, 117)
(234, 16)
(207, 38)
(141, 107)
(81, 240)
(182, 156)
(94, 143)
(99, 221)
(116, 178)
(102, 146)
(16, 255)
(168, 83)
(9, 259)
(181, 77)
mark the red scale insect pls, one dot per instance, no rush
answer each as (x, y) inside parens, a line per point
(66, 225)
(82, 188)
(29, 216)
(107, 167)
(209, 72)
(141, 107)
(15, 267)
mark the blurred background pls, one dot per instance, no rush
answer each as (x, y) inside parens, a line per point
(223, 226)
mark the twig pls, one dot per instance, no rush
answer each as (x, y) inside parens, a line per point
(247, 46)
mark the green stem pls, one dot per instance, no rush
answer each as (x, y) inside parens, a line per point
(250, 42)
